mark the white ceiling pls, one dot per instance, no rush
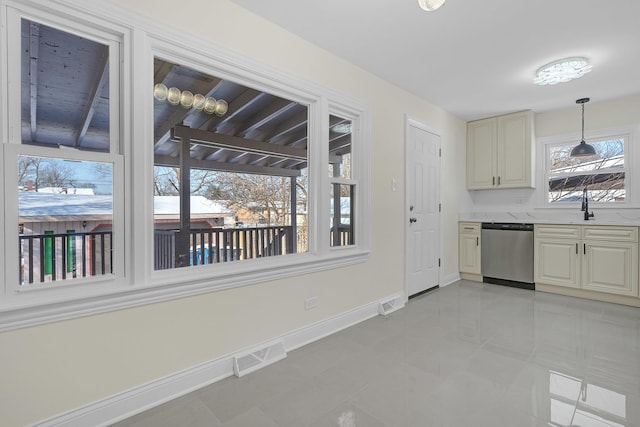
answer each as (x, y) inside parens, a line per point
(476, 58)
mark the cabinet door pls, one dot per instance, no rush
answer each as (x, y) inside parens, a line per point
(481, 158)
(469, 254)
(610, 267)
(514, 151)
(557, 262)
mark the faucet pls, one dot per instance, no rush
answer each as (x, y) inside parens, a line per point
(585, 205)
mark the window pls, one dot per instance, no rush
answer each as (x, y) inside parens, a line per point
(604, 176)
(342, 188)
(62, 162)
(230, 170)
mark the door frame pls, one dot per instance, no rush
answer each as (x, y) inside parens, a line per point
(410, 121)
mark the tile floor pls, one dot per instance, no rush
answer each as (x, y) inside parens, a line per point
(468, 354)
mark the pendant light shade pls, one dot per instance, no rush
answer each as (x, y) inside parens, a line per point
(583, 149)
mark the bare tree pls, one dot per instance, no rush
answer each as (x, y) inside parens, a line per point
(45, 173)
(258, 195)
(166, 181)
(601, 174)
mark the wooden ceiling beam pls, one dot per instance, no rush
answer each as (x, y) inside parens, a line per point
(236, 106)
(170, 161)
(94, 95)
(298, 120)
(340, 143)
(163, 71)
(198, 136)
(276, 108)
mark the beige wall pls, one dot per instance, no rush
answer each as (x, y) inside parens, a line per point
(597, 115)
(60, 366)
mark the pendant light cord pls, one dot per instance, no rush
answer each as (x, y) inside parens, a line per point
(582, 140)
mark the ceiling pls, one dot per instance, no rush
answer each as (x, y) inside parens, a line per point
(475, 58)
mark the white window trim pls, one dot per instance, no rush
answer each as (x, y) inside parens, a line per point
(630, 135)
(360, 171)
(142, 40)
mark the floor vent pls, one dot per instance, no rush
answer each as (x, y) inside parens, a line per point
(258, 358)
(390, 306)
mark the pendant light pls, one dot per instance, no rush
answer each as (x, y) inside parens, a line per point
(583, 149)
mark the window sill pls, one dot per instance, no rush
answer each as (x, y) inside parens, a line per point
(35, 308)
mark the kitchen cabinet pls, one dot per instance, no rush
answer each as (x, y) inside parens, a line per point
(555, 255)
(594, 258)
(499, 152)
(469, 254)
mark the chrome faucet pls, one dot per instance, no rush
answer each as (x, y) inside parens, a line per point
(585, 205)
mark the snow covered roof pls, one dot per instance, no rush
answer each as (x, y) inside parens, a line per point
(41, 205)
(37, 204)
(170, 205)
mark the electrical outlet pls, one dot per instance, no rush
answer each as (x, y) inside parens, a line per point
(310, 303)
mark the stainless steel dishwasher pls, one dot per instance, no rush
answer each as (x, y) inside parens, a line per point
(507, 254)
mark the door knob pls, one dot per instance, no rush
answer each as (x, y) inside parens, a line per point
(412, 220)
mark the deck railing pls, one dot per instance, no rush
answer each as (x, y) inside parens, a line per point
(51, 257)
(343, 237)
(209, 246)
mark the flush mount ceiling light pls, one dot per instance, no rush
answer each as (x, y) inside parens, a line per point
(562, 71)
(583, 149)
(430, 5)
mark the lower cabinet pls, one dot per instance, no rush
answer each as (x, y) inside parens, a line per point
(469, 247)
(603, 259)
(610, 267)
(556, 262)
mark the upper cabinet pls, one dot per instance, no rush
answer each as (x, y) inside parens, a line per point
(500, 152)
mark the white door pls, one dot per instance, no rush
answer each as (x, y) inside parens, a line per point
(422, 212)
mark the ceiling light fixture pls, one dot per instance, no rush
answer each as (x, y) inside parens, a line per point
(562, 71)
(583, 149)
(175, 96)
(430, 5)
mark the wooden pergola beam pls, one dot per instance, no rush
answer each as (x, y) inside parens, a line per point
(198, 136)
(171, 161)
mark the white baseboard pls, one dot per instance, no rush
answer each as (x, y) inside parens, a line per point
(451, 278)
(141, 398)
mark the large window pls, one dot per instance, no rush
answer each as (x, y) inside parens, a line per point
(603, 177)
(143, 168)
(230, 169)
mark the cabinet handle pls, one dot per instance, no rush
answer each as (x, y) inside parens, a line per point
(494, 181)
(498, 180)
(477, 241)
(468, 228)
(584, 248)
(576, 249)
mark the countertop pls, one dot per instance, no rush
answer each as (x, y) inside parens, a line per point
(601, 218)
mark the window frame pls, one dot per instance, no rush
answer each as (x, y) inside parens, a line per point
(358, 162)
(627, 133)
(32, 304)
(136, 283)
